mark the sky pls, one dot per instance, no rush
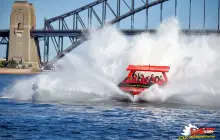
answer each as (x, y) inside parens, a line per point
(51, 8)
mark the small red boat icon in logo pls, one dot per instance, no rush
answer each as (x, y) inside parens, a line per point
(201, 131)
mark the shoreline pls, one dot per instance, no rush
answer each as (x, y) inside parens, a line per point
(17, 71)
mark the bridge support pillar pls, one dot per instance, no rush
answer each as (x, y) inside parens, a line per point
(7, 51)
(22, 47)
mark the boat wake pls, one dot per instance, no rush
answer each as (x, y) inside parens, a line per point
(93, 70)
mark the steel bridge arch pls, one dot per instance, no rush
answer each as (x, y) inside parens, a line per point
(77, 21)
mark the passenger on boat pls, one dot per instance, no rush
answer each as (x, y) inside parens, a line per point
(147, 79)
(158, 81)
(134, 78)
(161, 78)
(152, 78)
(128, 80)
(143, 80)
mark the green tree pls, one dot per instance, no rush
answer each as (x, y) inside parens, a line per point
(12, 64)
(23, 66)
(29, 65)
(1, 65)
(5, 63)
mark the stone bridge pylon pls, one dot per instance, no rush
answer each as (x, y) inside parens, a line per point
(22, 47)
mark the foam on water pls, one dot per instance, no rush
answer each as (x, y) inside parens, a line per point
(93, 70)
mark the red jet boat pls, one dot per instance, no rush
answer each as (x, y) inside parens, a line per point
(136, 86)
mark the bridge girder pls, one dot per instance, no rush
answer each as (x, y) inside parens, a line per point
(4, 40)
(74, 33)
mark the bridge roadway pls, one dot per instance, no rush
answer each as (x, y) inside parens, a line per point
(4, 33)
(73, 33)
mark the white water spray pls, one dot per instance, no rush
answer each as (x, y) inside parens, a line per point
(94, 69)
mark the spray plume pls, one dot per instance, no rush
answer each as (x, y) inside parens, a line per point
(94, 69)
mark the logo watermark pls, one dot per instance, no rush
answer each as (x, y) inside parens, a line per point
(193, 132)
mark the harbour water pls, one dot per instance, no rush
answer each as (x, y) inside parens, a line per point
(98, 120)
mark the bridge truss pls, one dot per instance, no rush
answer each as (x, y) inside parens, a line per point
(77, 22)
(78, 26)
(4, 39)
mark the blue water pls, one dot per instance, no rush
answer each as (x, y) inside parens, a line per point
(101, 120)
